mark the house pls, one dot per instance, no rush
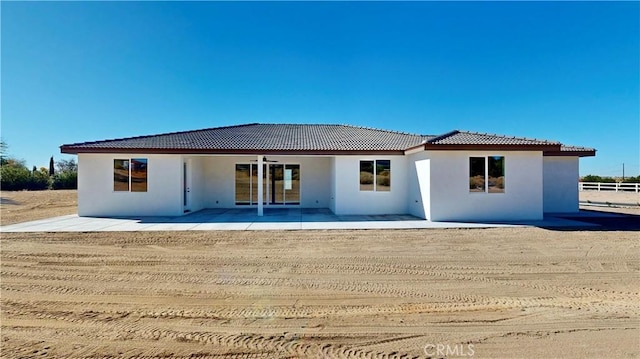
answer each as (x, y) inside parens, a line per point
(456, 176)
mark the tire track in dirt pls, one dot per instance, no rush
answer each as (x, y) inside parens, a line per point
(597, 295)
(296, 345)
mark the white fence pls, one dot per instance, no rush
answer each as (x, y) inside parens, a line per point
(617, 187)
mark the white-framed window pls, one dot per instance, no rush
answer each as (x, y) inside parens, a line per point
(375, 175)
(486, 174)
(281, 183)
(130, 175)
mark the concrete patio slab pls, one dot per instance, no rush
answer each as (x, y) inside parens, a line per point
(274, 219)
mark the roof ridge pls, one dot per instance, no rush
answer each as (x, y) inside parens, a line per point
(161, 134)
(443, 136)
(510, 136)
(346, 125)
(384, 130)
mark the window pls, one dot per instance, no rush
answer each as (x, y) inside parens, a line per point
(486, 174)
(495, 171)
(121, 175)
(130, 175)
(375, 175)
(280, 184)
(243, 184)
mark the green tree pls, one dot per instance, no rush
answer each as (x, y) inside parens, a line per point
(3, 152)
(39, 180)
(66, 176)
(65, 180)
(14, 175)
(632, 180)
(67, 166)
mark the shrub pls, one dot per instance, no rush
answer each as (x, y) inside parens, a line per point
(594, 178)
(39, 180)
(476, 182)
(14, 177)
(384, 178)
(632, 180)
(497, 181)
(65, 180)
(366, 178)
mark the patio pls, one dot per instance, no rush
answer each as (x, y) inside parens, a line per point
(247, 219)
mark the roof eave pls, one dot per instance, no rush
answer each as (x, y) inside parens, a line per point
(491, 147)
(184, 151)
(581, 153)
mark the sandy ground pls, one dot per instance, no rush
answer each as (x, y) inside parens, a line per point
(628, 198)
(482, 293)
(22, 206)
(507, 293)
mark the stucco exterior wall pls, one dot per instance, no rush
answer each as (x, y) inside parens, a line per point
(350, 200)
(452, 201)
(430, 184)
(96, 196)
(218, 175)
(561, 176)
(196, 182)
(418, 185)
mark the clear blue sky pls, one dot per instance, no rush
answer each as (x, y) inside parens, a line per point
(566, 71)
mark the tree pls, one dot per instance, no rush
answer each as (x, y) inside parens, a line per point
(14, 175)
(51, 167)
(66, 176)
(39, 180)
(67, 166)
(65, 180)
(3, 152)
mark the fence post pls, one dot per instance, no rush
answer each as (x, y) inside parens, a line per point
(598, 186)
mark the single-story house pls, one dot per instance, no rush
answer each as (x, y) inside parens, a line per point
(456, 176)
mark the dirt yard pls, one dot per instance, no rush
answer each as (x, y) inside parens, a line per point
(631, 199)
(507, 293)
(482, 293)
(22, 206)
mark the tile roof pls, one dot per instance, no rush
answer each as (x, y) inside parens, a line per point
(311, 139)
(568, 148)
(474, 138)
(275, 137)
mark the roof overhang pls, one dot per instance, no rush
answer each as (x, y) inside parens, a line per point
(577, 153)
(491, 147)
(184, 151)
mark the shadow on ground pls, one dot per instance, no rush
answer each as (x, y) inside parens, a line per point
(283, 215)
(603, 221)
(7, 201)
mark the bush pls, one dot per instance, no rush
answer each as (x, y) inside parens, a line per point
(594, 178)
(476, 183)
(384, 178)
(632, 180)
(39, 181)
(14, 177)
(65, 180)
(497, 182)
(366, 178)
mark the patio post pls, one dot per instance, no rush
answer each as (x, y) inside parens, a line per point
(260, 187)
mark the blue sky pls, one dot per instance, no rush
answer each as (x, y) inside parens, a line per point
(80, 71)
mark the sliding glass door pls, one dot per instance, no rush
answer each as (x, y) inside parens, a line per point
(281, 184)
